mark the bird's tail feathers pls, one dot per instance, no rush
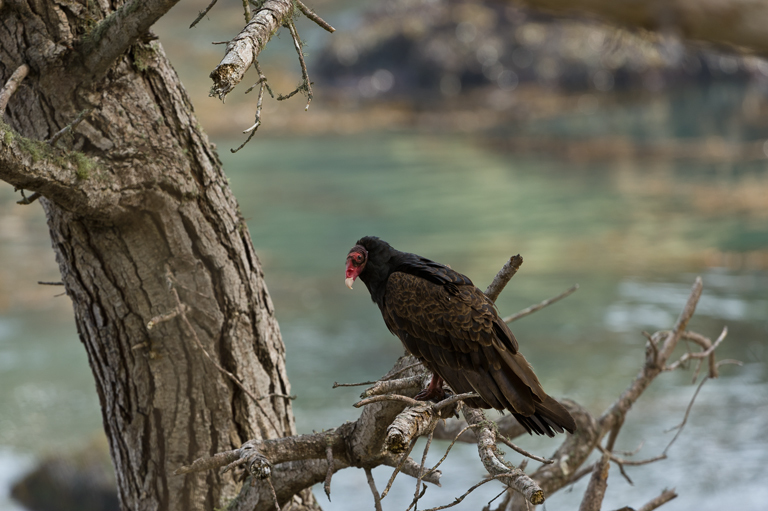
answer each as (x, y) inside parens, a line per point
(550, 417)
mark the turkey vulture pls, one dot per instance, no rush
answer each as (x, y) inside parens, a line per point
(454, 330)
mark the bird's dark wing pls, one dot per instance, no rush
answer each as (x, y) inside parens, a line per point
(431, 271)
(455, 330)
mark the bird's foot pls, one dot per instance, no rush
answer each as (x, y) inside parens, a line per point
(429, 394)
(433, 392)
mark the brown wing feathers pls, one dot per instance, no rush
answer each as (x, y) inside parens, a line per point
(455, 330)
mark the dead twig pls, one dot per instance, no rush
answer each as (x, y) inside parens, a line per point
(503, 277)
(387, 386)
(329, 473)
(374, 491)
(494, 463)
(418, 494)
(305, 85)
(458, 500)
(389, 377)
(70, 127)
(448, 450)
(662, 499)
(28, 200)
(398, 468)
(202, 13)
(262, 83)
(522, 451)
(274, 494)
(454, 399)
(593, 496)
(360, 384)
(247, 10)
(309, 13)
(707, 352)
(388, 397)
(11, 85)
(680, 426)
(541, 305)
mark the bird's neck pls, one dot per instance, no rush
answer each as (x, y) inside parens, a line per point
(375, 276)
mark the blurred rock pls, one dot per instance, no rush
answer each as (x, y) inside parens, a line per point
(426, 50)
(81, 481)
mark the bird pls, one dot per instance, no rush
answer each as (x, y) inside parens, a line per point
(453, 328)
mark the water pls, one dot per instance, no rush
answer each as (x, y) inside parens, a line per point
(632, 234)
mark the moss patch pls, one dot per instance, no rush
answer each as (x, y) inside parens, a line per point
(83, 165)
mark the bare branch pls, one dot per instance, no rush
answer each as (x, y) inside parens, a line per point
(680, 426)
(458, 500)
(410, 424)
(202, 13)
(541, 305)
(59, 176)
(653, 366)
(113, 35)
(507, 426)
(262, 83)
(388, 397)
(245, 48)
(309, 13)
(705, 343)
(503, 277)
(359, 384)
(662, 499)
(389, 376)
(11, 85)
(305, 85)
(494, 464)
(329, 473)
(593, 496)
(25, 201)
(522, 451)
(247, 10)
(69, 127)
(374, 491)
(387, 386)
(448, 450)
(274, 494)
(708, 352)
(403, 458)
(418, 494)
(409, 467)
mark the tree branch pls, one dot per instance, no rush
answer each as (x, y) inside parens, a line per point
(494, 463)
(244, 49)
(60, 176)
(662, 499)
(113, 35)
(540, 305)
(503, 277)
(11, 85)
(655, 361)
(739, 23)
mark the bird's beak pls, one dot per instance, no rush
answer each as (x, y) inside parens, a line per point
(352, 272)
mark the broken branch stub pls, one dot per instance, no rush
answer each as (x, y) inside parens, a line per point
(244, 49)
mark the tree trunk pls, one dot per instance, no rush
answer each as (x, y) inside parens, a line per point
(139, 209)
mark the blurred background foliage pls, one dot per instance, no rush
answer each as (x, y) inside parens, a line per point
(467, 132)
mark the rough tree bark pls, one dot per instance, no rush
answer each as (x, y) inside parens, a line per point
(137, 203)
